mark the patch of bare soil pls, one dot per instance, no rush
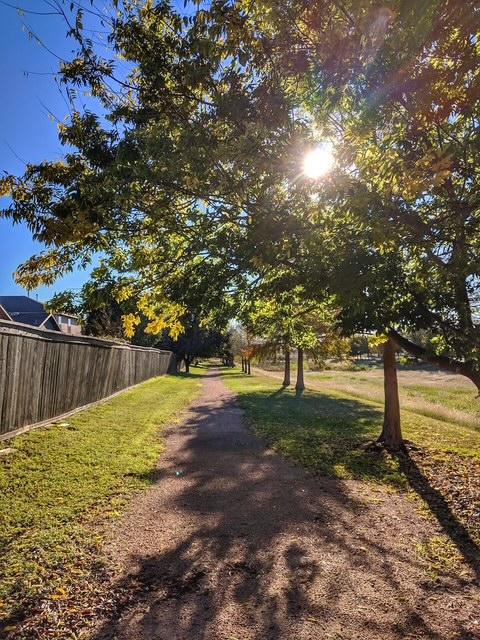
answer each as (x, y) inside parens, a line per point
(234, 542)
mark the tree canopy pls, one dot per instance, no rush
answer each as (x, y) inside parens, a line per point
(188, 181)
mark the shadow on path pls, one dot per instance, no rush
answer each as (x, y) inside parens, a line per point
(233, 542)
(358, 418)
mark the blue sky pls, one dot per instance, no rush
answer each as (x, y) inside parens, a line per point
(27, 132)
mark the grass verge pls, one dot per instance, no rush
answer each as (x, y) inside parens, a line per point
(321, 431)
(59, 487)
(325, 432)
(426, 429)
(451, 399)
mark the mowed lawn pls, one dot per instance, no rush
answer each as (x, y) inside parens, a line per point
(446, 397)
(326, 431)
(62, 485)
(439, 411)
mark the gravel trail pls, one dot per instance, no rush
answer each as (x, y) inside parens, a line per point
(233, 542)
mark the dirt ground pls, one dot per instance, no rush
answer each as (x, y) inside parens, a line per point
(235, 543)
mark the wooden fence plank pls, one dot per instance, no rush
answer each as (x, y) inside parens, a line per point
(44, 374)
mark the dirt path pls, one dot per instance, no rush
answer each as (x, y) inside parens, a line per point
(234, 543)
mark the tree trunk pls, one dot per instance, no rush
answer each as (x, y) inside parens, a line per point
(248, 367)
(391, 435)
(300, 385)
(286, 377)
(187, 364)
(244, 369)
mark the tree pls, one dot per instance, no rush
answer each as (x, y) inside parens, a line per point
(98, 307)
(271, 320)
(64, 301)
(196, 342)
(191, 182)
(238, 341)
(171, 175)
(416, 154)
(288, 319)
(396, 88)
(391, 435)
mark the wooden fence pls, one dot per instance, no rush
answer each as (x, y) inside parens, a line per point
(44, 374)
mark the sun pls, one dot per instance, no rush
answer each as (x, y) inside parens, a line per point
(319, 161)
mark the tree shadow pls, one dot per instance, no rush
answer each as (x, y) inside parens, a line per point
(237, 374)
(248, 545)
(440, 508)
(318, 411)
(281, 390)
(340, 427)
(190, 374)
(209, 372)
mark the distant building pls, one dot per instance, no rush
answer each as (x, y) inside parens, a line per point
(68, 323)
(27, 311)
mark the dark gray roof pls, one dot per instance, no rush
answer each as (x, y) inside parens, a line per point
(51, 324)
(35, 319)
(27, 311)
(21, 304)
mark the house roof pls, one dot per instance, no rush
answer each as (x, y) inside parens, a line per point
(21, 304)
(36, 319)
(27, 311)
(4, 314)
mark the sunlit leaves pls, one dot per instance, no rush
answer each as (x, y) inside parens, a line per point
(191, 187)
(130, 321)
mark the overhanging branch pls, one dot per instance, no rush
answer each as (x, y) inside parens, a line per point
(445, 363)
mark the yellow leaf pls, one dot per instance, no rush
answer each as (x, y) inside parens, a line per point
(377, 341)
(124, 293)
(61, 594)
(130, 321)
(5, 187)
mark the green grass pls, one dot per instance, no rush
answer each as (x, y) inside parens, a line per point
(65, 481)
(320, 431)
(456, 398)
(441, 556)
(324, 430)
(432, 394)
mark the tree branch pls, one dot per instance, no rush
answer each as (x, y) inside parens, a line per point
(445, 363)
